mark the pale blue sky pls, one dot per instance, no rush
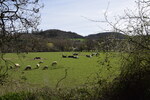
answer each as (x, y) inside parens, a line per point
(69, 15)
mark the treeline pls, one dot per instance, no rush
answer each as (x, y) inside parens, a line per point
(57, 41)
(37, 43)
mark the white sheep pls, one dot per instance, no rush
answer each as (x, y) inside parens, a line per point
(41, 62)
(54, 63)
(76, 57)
(17, 65)
(45, 67)
(89, 56)
(37, 65)
(28, 67)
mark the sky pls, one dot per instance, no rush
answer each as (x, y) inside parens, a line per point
(81, 16)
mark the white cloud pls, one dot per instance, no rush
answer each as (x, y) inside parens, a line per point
(69, 14)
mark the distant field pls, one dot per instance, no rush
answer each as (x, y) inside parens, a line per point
(78, 69)
(80, 39)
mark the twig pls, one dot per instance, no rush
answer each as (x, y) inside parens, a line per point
(66, 73)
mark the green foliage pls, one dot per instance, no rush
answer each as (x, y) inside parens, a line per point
(133, 82)
(19, 96)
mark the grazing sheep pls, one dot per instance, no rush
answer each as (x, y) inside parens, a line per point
(37, 58)
(64, 56)
(28, 67)
(45, 67)
(93, 54)
(76, 57)
(41, 62)
(75, 54)
(70, 56)
(54, 63)
(17, 65)
(37, 65)
(89, 56)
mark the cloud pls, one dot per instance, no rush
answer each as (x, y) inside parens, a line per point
(73, 15)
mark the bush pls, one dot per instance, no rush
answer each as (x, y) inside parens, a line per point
(19, 96)
(133, 83)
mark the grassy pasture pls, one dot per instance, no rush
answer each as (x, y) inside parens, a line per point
(80, 39)
(78, 70)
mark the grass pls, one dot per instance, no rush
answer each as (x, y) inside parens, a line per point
(78, 70)
(79, 39)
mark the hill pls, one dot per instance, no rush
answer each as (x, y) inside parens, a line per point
(53, 33)
(106, 34)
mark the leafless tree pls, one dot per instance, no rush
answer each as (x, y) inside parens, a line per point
(136, 60)
(16, 16)
(135, 23)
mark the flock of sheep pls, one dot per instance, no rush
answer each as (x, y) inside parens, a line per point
(75, 55)
(28, 67)
(54, 63)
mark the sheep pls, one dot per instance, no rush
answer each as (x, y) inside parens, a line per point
(76, 57)
(64, 56)
(41, 62)
(70, 56)
(45, 67)
(93, 54)
(17, 65)
(89, 56)
(37, 65)
(37, 58)
(75, 54)
(54, 63)
(28, 67)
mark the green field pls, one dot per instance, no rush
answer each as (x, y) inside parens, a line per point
(79, 39)
(79, 70)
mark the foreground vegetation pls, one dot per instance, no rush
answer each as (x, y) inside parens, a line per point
(105, 82)
(82, 74)
(79, 71)
(98, 80)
